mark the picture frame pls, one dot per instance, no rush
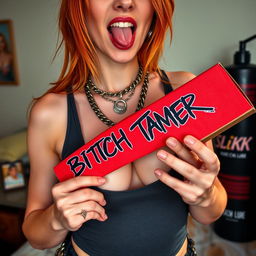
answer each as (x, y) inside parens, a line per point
(8, 60)
(12, 175)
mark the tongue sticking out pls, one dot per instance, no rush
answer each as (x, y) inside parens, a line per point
(123, 36)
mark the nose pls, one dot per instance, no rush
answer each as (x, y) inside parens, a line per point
(124, 5)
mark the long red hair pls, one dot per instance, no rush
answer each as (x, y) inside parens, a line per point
(80, 57)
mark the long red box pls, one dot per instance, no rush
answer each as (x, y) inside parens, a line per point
(204, 107)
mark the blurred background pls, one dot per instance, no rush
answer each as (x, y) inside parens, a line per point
(205, 32)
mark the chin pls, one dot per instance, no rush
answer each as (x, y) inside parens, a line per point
(124, 60)
(124, 56)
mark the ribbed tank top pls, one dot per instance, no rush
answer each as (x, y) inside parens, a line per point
(147, 221)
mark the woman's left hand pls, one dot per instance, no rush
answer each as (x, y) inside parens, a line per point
(199, 166)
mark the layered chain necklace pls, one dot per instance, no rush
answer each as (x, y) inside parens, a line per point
(119, 105)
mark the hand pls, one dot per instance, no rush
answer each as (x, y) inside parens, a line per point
(73, 196)
(199, 166)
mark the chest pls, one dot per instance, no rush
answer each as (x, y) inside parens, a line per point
(138, 173)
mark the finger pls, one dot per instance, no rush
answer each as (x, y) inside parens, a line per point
(209, 158)
(73, 218)
(78, 220)
(180, 150)
(186, 170)
(92, 216)
(91, 206)
(83, 195)
(188, 192)
(76, 183)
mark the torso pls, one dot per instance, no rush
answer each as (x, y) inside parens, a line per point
(136, 174)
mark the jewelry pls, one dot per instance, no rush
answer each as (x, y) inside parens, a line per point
(149, 34)
(100, 114)
(120, 105)
(83, 213)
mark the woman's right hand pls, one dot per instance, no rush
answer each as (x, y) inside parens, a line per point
(74, 195)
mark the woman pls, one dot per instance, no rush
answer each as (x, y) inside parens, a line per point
(6, 59)
(14, 178)
(113, 46)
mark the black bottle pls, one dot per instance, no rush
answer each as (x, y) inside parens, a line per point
(236, 149)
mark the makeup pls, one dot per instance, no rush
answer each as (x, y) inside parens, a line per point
(122, 32)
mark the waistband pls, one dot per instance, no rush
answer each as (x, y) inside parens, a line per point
(67, 249)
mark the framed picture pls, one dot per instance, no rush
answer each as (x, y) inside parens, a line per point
(8, 61)
(12, 175)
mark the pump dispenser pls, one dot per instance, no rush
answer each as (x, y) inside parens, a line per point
(236, 149)
(243, 57)
(242, 70)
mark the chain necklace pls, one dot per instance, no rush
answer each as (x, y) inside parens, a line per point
(100, 114)
(120, 105)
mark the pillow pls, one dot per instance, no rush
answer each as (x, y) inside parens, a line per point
(13, 147)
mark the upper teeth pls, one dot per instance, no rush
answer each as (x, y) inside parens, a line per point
(122, 24)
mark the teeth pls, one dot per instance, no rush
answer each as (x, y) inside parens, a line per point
(122, 24)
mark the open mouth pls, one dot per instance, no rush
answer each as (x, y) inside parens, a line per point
(122, 32)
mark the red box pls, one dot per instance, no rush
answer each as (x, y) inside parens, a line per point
(204, 107)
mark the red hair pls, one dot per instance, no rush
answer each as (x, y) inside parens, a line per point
(80, 57)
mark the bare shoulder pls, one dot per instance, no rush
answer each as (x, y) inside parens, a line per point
(47, 125)
(179, 78)
(47, 109)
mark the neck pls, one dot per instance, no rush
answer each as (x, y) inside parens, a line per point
(115, 76)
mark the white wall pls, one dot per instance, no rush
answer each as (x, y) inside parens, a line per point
(209, 31)
(205, 32)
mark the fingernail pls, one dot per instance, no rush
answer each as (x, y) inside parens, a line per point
(158, 173)
(172, 142)
(101, 180)
(104, 203)
(189, 140)
(162, 155)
